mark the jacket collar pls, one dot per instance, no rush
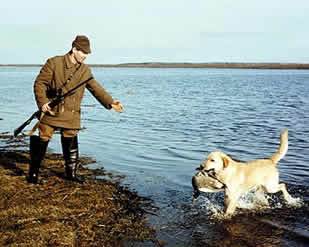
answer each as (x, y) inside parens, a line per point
(68, 62)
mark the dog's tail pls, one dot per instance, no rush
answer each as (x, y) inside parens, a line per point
(283, 147)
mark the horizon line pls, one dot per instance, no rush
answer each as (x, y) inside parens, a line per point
(258, 65)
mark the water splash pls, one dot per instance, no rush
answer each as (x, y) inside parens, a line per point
(252, 202)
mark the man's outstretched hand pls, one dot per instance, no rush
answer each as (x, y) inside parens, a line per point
(117, 106)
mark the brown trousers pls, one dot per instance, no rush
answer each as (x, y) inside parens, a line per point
(46, 131)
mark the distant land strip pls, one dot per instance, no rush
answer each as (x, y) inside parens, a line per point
(189, 65)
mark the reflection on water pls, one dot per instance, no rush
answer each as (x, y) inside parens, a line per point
(173, 118)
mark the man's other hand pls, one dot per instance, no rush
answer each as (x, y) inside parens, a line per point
(45, 108)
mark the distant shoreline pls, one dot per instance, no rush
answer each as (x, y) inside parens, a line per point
(188, 65)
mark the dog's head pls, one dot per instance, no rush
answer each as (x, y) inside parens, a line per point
(206, 180)
(216, 161)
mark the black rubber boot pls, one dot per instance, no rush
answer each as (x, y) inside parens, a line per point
(70, 155)
(38, 149)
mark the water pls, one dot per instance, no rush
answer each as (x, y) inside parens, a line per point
(173, 118)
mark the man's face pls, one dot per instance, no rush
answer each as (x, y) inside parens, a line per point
(79, 55)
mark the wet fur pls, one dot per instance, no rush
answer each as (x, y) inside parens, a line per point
(241, 177)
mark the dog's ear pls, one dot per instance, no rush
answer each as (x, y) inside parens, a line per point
(226, 162)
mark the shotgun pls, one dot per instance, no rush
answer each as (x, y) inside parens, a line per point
(55, 101)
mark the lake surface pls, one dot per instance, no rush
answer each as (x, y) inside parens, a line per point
(173, 118)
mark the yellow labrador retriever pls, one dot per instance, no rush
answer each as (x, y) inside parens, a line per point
(241, 177)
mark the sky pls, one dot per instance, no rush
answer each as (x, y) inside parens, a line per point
(128, 31)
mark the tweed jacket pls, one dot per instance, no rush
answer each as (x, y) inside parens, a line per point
(57, 76)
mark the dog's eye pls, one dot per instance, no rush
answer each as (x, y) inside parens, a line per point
(212, 160)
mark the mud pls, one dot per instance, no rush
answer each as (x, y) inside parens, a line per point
(57, 212)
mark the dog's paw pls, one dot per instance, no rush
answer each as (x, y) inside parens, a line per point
(295, 202)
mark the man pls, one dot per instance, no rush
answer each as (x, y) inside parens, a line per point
(57, 76)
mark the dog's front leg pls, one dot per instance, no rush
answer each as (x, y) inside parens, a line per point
(230, 203)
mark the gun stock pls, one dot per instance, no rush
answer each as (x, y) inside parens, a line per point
(21, 127)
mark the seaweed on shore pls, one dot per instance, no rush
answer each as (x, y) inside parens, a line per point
(57, 212)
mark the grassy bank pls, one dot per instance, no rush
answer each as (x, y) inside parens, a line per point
(56, 212)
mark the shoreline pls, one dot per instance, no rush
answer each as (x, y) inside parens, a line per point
(58, 212)
(188, 65)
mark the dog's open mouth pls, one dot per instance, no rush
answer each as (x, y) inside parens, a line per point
(202, 182)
